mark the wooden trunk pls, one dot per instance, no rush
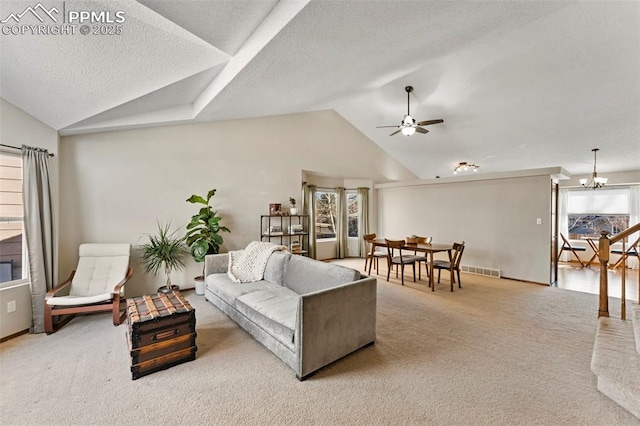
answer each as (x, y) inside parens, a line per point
(161, 332)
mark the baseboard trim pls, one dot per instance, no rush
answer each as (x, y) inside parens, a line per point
(14, 335)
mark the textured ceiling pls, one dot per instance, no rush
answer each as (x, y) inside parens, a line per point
(520, 85)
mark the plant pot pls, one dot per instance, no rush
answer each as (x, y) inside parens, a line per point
(164, 289)
(293, 211)
(199, 282)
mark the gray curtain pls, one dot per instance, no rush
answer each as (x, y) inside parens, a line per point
(38, 229)
(363, 218)
(309, 208)
(341, 223)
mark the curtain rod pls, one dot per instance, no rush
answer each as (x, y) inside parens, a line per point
(20, 149)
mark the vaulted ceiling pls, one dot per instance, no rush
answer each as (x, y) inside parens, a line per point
(519, 85)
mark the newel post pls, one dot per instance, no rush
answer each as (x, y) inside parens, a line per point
(603, 255)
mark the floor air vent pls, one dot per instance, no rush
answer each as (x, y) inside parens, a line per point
(489, 272)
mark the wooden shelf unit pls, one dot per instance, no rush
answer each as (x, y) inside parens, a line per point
(270, 223)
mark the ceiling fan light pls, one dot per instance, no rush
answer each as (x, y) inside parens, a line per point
(408, 126)
(408, 131)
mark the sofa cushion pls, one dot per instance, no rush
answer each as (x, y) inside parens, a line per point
(304, 275)
(222, 286)
(275, 266)
(274, 310)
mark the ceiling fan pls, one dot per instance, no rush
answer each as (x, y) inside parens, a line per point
(409, 125)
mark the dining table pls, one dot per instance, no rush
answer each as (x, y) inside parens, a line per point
(593, 243)
(428, 248)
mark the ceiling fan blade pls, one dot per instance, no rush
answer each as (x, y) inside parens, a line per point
(397, 131)
(381, 127)
(428, 122)
(421, 130)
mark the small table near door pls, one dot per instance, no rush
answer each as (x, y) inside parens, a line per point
(429, 249)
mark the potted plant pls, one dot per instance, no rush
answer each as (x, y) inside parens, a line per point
(202, 233)
(293, 210)
(164, 251)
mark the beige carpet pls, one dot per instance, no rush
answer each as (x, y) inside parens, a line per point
(496, 352)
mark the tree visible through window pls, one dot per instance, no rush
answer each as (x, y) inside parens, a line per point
(585, 225)
(590, 212)
(326, 214)
(326, 208)
(352, 213)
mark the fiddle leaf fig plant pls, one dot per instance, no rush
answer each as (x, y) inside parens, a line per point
(202, 231)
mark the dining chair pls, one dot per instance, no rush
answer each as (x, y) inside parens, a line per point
(372, 254)
(632, 250)
(400, 259)
(453, 265)
(567, 246)
(425, 258)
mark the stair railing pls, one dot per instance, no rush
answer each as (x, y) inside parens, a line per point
(604, 253)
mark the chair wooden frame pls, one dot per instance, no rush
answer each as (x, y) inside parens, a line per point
(452, 266)
(372, 254)
(567, 246)
(68, 312)
(632, 250)
(400, 259)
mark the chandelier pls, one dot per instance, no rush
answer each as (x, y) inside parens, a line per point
(595, 182)
(463, 166)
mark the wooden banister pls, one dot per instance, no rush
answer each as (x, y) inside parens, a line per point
(604, 253)
(625, 233)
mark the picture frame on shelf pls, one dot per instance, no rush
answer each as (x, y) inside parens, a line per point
(275, 209)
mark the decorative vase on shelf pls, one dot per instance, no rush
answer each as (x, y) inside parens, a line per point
(293, 211)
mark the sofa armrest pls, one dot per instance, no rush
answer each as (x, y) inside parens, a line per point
(216, 264)
(334, 322)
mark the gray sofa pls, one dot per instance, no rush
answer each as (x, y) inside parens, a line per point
(308, 313)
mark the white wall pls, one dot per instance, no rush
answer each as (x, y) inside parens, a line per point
(115, 185)
(496, 218)
(18, 128)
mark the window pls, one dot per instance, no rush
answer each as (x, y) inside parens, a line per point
(11, 235)
(590, 212)
(352, 213)
(326, 214)
(326, 203)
